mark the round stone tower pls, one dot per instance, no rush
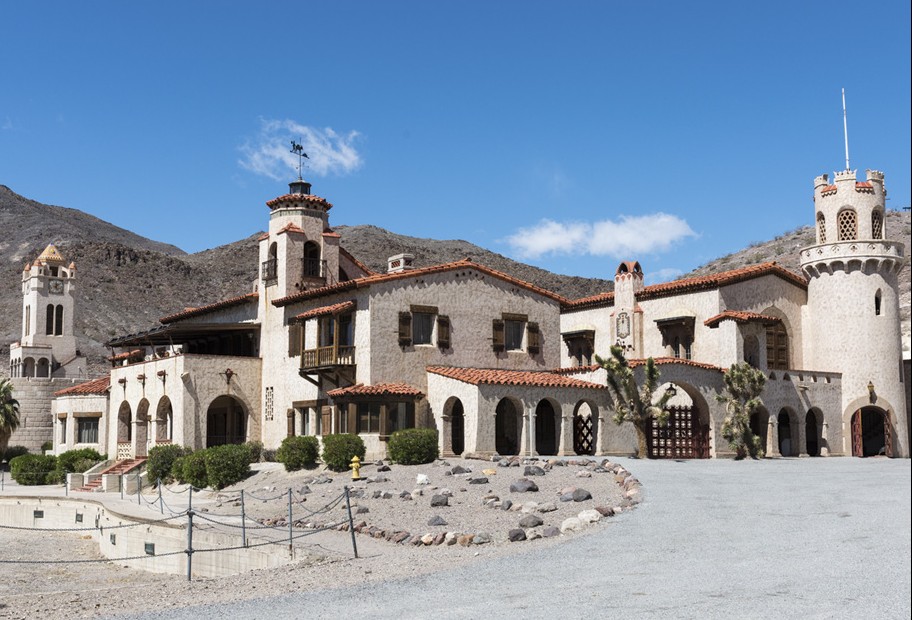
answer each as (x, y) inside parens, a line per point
(852, 321)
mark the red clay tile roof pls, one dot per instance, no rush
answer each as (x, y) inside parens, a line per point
(319, 203)
(381, 389)
(95, 386)
(864, 186)
(219, 305)
(572, 370)
(829, 189)
(493, 376)
(338, 308)
(126, 355)
(263, 237)
(291, 227)
(333, 234)
(675, 360)
(739, 316)
(414, 273)
(690, 285)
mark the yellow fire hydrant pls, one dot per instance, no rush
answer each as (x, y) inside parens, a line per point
(356, 468)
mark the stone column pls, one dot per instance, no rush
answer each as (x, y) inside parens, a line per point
(601, 433)
(772, 437)
(527, 432)
(566, 436)
(824, 443)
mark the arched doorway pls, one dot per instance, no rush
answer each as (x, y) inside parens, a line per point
(164, 421)
(457, 427)
(787, 444)
(226, 422)
(124, 423)
(812, 427)
(545, 428)
(871, 433)
(142, 429)
(506, 428)
(759, 424)
(686, 436)
(584, 429)
(312, 264)
(43, 369)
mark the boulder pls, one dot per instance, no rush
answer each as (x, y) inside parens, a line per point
(422, 479)
(605, 511)
(523, 485)
(465, 539)
(481, 538)
(478, 480)
(530, 520)
(440, 500)
(589, 516)
(551, 531)
(533, 470)
(506, 504)
(436, 521)
(450, 538)
(427, 539)
(571, 525)
(547, 507)
(516, 535)
(459, 469)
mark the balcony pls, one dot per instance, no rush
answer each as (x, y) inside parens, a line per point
(327, 357)
(313, 268)
(270, 271)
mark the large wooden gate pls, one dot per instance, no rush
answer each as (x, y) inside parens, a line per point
(682, 438)
(881, 423)
(583, 436)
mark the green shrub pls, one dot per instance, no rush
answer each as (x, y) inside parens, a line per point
(12, 452)
(160, 463)
(338, 450)
(194, 469)
(177, 469)
(255, 448)
(47, 445)
(298, 452)
(413, 446)
(269, 456)
(226, 465)
(66, 462)
(31, 469)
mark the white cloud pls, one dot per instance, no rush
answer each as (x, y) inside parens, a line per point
(629, 237)
(663, 275)
(269, 153)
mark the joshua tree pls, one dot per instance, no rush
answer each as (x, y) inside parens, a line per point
(743, 384)
(9, 411)
(634, 403)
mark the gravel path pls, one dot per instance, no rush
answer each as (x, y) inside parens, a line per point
(820, 538)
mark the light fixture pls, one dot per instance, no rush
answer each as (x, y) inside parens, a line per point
(872, 395)
(228, 374)
(142, 379)
(162, 374)
(671, 392)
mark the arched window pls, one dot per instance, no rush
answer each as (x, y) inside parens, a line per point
(271, 265)
(49, 322)
(877, 300)
(877, 225)
(58, 321)
(28, 320)
(848, 225)
(312, 263)
(821, 228)
(777, 347)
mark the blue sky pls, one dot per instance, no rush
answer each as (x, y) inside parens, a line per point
(569, 135)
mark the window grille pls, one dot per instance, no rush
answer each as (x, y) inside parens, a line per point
(848, 225)
(877, 225)
(821, 227)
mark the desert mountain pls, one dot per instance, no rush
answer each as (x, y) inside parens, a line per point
(127, 282)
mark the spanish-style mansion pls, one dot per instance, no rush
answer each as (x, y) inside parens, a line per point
(497, 365)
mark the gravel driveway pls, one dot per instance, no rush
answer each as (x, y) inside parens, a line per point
(819, 538)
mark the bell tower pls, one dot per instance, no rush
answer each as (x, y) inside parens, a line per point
(47, 347)
(852, 318)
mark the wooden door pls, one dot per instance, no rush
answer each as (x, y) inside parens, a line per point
(857, 437)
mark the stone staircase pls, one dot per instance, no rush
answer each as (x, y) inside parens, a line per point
(118, 468)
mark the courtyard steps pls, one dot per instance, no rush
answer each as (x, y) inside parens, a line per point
(118, 468)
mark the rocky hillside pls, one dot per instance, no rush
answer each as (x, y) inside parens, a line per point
(127, 282)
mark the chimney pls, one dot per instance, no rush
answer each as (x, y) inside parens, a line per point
(400, 262)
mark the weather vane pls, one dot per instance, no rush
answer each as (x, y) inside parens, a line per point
(298, 150)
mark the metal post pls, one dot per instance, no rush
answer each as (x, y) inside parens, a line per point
(161, 502)
(351, 524)
(243, 519)
(138, 490)
(190, 543)
(66, 485)
(121, 486)
(2, 478)
(290, 548)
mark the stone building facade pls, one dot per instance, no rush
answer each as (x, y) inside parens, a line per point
(497, 365)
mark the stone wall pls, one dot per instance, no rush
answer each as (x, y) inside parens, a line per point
(36, 423)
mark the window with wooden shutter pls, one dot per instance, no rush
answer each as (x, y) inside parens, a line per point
(443, 332)
(405, 329)
(498, 335)
(534, 346)
(295, 338)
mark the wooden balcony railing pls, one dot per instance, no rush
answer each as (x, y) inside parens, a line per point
(270, 269)
(328, 356)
